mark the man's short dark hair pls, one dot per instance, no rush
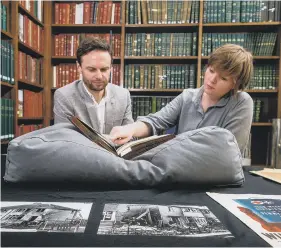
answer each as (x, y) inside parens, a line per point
(90, 44)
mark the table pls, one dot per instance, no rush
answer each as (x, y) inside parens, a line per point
(101, 194)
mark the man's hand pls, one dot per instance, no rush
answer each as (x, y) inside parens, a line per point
(121, 134)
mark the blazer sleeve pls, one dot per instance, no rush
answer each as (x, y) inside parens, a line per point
(62, 108)
(128, 112)
(165, 118)
(239, 121)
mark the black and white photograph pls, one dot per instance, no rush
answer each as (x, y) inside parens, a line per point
(65, 217)
(160, 220)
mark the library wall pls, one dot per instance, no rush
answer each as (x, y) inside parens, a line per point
(159, 49)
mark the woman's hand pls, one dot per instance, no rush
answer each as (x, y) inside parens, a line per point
(121, 134)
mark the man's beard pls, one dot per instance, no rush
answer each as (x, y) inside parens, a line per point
(93, 87)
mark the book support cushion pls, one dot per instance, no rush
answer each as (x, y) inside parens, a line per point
(59, 153)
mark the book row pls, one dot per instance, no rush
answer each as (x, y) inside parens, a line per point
(95, 12)
(259, 44)
(7, 62)
(265, 77)
(67, 44)
(30, 104)
(144, 105)
(7, 119)
(3, 17)
(30, 33)
(35, 7)
(160, 76)
(163, 76)
(30, 69)
(64, 74)
(161, 44)
(258, 110)
(162, 12)
(241, 11)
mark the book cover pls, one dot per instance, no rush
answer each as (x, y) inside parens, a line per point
(271, 174)
(261, 213)
(126, 151)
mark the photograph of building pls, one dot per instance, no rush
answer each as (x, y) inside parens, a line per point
(170, 220)
(44, 216)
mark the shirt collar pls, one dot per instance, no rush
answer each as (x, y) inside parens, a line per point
(222, 102)
(106, 94)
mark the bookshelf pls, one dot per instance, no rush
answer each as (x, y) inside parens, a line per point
(199, 27)
(8, 86)
(27, 48)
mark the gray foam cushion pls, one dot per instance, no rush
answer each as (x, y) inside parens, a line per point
(58, 153)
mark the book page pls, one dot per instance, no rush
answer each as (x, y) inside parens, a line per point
(93, 135)
(124, 149)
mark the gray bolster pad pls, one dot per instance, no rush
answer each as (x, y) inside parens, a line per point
(59, 153)
(208, 155)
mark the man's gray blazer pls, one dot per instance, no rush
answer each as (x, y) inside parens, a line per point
(73, 99)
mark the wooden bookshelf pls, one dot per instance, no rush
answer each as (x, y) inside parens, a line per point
(30, 118)
(8, 90)
(84, 26)
(24, 11)
(6, 34)
(200, 28)
(160, 57)
(13, 35)
(51, 29)
(27, 49)
(7, 85)
(156, 90)
(183, 25)
(71, 58)
(261, 91)
(24, 83)
(5, 142)
(255, 57)
(241, 24)
(262, 124)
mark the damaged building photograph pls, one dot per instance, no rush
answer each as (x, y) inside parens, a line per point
(170, 220)
(44, 216)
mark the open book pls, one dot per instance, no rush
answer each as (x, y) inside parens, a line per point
(126, 151)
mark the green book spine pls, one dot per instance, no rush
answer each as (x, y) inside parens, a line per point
(5, 60)
(12, 118)
(228, 11)
(6, 113)
(186, 77)
(153, 105)
(146, 77)
(135, 77)
(10, 114)
(168, 72)
(12, 64)
(125, 85)
(222, 12)
(164, 77)
(194, 44)
(192, 76)
(2, 118)
(130, 79)
(172, 81)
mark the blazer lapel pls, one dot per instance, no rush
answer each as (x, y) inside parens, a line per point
(110, 110)
(91, 111)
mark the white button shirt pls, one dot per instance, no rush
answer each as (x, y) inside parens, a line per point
(100, 108)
